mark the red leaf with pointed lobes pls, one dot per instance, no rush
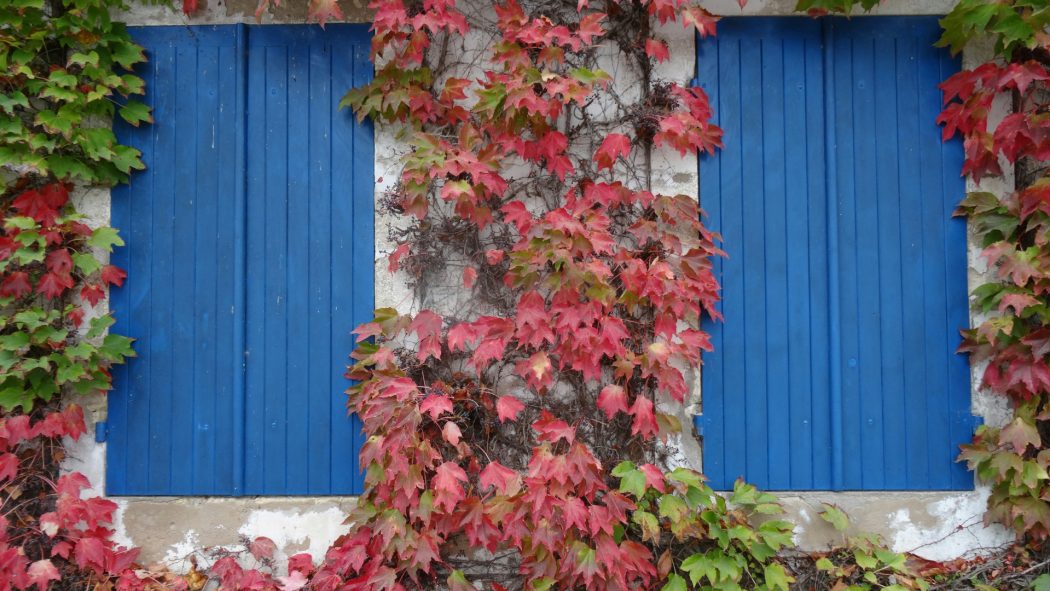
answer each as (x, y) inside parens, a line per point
(537, 370)
(470, 275)
(508, 407)
(516, 213)
(503, 479)
(654, 477)
(262, 548)
(436, 405)
(293, 582)
(93, 293)
(8, 467)
(90, 553)
(42, 204)
(396, 256)
(461, 335)
(575, 513)
(302, 562)
(16, 285)
(550, 428)
(324, 10)
(657, 49)
(451, 433)
(644, 423)
(59, 261)
(704, 21)
(113, 275)
(427, 326)
(590, 27)
(446, 486)
(41, 573)
(53, 285)
(613, 146)
(494, 256)
(612, 399)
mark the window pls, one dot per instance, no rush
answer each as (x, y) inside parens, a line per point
(845, 285)
(249, 251)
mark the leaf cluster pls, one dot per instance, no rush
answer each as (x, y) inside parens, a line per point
(65, 70)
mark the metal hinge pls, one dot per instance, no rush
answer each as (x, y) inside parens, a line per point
(101, 431)
(699, 422)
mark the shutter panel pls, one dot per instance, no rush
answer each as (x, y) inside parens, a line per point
(902, 259)
(250, 258)
(170, 414)
(310, 256)
(765, 390)
(846, 280)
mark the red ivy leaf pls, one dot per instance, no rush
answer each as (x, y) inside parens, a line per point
(612, 400)
(293, 582)
(397, 255)
(42, 205)
(8, 467)
(508, 407)
(502, 478)
(53, 285)
(262, 548)
(550, 428)
(41, 573)
(59, 261)
(446, 485)
(16, 285)
(494, 256)
(93, 293)
(657, 49)
(613, 146)
(700, 18)
(436, 405)
(451, 433)
(324, 10)
(90, 553)
(644, 423)
(302, 562)
(470, 275)
(190, 6)
(7, 247)
(113, 275)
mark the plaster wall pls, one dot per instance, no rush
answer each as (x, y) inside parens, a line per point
(171, 529)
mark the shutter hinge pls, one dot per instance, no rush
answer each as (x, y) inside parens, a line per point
(101, 431)
(699, 422)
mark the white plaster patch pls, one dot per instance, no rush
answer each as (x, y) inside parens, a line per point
(317, 529)
(178, 554)
(959, 529)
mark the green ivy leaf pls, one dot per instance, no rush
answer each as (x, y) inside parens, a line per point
(135, 113)
(674, 583)
(777, 578)
(105, 238)
(835, 516)
(1041, 583)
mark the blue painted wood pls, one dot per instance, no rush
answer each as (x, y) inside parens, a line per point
(846, 283)
(310, 218)
(169, 414)
(243, 286)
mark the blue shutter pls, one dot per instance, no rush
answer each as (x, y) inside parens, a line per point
(171, 426)
(310, 256)
(249, 258)
(845, 285)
